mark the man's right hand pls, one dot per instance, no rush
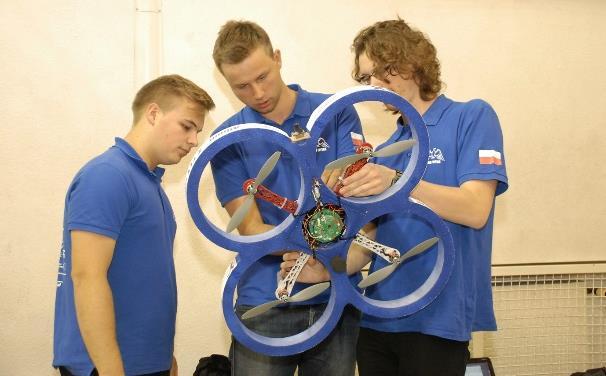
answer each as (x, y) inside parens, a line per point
(313, 271)
(372, 179)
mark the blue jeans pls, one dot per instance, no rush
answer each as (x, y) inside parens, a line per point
(335, 356)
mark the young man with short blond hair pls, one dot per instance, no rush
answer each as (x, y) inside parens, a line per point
(116, 299)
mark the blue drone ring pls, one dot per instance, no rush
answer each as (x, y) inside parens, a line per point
(413, 173)
(219, 141)
(280, 346)
(430, 288)
(288, 234)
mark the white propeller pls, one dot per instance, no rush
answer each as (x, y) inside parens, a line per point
(385, 272)
(305, 294)
(264, 172)
(392, 149)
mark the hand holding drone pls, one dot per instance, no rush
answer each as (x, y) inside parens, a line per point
(325, 227)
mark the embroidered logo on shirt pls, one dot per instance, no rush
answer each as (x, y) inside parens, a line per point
(489, 157)
(322, 145)
(435, 156)
(356, 138)
(62, 267)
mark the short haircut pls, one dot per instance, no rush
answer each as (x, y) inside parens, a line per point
(237, 40)
(165, 89)
(395, 46)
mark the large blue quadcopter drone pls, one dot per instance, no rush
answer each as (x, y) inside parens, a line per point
(323, 225)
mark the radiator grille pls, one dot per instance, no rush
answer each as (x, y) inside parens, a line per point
(550, 324)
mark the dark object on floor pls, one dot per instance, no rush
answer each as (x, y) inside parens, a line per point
(479, 366)
(591, 372)
(214, 365)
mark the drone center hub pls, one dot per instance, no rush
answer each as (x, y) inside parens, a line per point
(326, 225)
(323, 225)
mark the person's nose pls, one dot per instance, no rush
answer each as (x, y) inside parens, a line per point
(258, 91)
(193, 138)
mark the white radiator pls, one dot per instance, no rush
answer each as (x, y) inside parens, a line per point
(549, 323)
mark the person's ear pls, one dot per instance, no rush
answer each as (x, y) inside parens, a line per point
(151, 113)
(278, 57)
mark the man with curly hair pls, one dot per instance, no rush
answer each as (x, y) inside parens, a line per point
(465, 171)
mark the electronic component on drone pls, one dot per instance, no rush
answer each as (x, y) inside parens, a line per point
(298, 133)
(323, 224)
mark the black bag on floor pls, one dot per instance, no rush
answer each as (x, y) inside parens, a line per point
(214, 365)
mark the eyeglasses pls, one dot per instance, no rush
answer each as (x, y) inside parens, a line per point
(380, 74)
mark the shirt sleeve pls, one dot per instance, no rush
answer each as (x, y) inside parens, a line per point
(229, 173)
(349, 132)
(480, 146)
(98, 201)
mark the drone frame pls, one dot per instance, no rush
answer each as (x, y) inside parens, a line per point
(288, 236)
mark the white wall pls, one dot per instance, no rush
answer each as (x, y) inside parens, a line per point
(67, 82)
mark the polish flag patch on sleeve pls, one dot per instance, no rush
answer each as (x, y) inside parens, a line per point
(490, 157)
(357, 138)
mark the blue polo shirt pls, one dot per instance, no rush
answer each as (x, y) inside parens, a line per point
(116, 195)
(242, 161)
(466, 143)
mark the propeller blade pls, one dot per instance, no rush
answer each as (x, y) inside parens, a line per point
(305, 294)
(345, 161)
(419, 248)
(239, 215)
(385, 272)
(395, 148)
(310, 292)
(260, 309)
(378, 276)
(267, 168)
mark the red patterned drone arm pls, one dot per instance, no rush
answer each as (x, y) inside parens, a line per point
(268, 195)
(357, 165)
